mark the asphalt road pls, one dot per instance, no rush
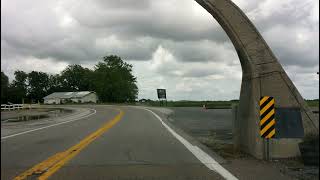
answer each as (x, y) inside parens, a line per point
(114, 143)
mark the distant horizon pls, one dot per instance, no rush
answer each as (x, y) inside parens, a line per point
(10, 81)
(216, 100)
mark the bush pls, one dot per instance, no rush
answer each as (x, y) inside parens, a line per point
(309, 149)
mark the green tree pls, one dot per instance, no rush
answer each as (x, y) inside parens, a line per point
(4, 88)
(55, 84)
(38, 85)
(113, 80)
(17, 90)
(76, 78)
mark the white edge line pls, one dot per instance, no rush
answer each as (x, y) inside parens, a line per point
(198, 153)
(25, 132)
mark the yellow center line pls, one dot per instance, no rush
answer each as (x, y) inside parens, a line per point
(48, 167)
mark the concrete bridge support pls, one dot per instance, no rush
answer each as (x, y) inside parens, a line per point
(263, 75)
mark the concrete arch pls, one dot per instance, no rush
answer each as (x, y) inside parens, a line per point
(263, 75)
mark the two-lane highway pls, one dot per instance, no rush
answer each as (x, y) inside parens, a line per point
(116, 142)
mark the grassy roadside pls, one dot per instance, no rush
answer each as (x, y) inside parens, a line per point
(313, 103)
(209, 104)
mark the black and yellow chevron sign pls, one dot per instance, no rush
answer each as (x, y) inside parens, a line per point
(267, 117)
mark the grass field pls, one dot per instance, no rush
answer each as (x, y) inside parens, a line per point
(210, 104)
(313, 103)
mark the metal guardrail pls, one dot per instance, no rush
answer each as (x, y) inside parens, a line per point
(11, 107)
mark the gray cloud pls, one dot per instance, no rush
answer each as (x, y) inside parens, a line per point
(123, 4)
(82, 31)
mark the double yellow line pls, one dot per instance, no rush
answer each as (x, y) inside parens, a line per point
(48, 167)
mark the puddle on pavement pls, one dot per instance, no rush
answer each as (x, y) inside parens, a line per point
(25, 118)
(58, 112)
(49, 113)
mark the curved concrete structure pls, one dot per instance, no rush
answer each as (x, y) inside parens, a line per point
(262, 76)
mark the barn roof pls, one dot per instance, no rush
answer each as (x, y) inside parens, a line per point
(67, 95)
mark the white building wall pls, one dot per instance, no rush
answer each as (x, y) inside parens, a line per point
(76, 100)
(92, 97)
(52, 101)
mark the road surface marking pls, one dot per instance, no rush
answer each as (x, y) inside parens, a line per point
(37, 129)
(48, 167)
(198, 153)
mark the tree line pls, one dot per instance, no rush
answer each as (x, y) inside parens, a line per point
(110, 78)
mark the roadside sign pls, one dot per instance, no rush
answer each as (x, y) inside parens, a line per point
(161, 94)
(289, 123)
(267, 117)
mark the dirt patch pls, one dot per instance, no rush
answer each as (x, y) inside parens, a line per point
(245, 166)
(213, 128)
(220, 141)
(295, 168)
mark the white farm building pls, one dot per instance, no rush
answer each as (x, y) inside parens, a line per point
(76, 97)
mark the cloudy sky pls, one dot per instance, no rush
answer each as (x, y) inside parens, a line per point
(173, 44)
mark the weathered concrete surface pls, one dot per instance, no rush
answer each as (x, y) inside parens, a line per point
(262, 76)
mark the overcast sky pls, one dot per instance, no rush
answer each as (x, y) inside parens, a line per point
(172, 44)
